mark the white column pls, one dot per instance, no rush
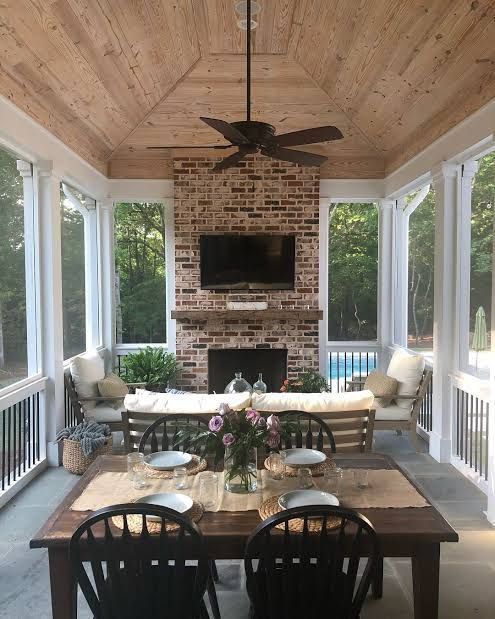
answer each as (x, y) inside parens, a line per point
(107, 273)
(490, 512)
(170, 272)
(464, 263)
(444, 337)
(91, 277)
(323, 285)
(386, 270)
(51, 316)
(401, 235)
(31, 247)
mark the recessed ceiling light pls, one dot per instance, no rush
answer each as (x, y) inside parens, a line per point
(241, 8)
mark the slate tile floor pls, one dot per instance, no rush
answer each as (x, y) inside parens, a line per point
(467, 585)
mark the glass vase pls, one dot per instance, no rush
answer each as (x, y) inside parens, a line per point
(259, 386)
(238, 385)
(240, 470)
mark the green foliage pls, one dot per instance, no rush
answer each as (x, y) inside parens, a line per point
(151, 366)
(307, 382)
(352, 271)
(140, 272)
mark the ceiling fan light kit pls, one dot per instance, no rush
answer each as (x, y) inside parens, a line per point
(251, 136)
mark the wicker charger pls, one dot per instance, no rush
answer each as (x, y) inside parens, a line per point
(317, 470)
(270, 507)
(135, 521)
(196, 465)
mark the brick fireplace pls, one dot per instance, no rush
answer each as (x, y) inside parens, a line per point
(260, 196)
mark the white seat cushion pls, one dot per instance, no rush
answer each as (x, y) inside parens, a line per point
(196, 404)
(312, 402)
(407, 369)
(104, 413)
(392, 413)
(86, 370)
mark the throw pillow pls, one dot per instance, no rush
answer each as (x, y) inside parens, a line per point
(86, 370)
(408, 370)
(381, 384)
(112, 386)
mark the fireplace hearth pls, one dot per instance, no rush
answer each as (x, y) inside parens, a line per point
(223, 363)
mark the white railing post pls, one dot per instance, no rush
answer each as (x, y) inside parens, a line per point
(386, 271)
(106, 253)
(51, 314)
(445, 185)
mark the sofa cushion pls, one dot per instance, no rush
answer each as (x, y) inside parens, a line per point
(104, 413)
(86, 370)
(112, 386)
(407, 369)
(197, 404)
(381, 384)
(392, 413)
(312, 402)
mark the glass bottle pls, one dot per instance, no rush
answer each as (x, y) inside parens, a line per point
(259, 386)
(238, 385)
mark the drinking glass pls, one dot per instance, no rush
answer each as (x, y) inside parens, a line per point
(180, 478)
(135, 469)
(333, 480)
(305, 477)
(361, 478)
(277, 465)
(208, 490)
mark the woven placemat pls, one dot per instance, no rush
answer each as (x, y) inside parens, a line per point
(317, 470)
(196, 465)
(135, 521)
(270, 507)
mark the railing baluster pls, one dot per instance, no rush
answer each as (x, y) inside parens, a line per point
(3, 450)
(487, 408)
(8, 446)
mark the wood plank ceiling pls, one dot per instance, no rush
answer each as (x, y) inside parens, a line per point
(111, 77)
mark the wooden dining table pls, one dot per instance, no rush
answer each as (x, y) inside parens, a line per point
(404, 532)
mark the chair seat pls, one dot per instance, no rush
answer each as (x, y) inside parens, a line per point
(104, 413)
(393, 413)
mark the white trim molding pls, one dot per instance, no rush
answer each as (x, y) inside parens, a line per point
(130, 190)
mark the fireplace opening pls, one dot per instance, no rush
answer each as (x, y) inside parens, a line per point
(223, 363)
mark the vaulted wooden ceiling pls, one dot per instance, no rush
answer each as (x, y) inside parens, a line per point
(111, 77)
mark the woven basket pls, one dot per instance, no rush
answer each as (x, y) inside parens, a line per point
(74, 459)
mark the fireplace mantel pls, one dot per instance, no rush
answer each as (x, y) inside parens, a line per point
(206, 315)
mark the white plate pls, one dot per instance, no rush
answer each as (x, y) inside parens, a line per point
(301, 498)
(167, 460)
(173, 500)
(303, 457)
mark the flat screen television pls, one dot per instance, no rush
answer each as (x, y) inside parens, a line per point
(256, 262)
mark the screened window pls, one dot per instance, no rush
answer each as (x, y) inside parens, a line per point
(481, 271)
(421, 245)
(352, 271)
(73, 277)
(13, 326)
(140, 285)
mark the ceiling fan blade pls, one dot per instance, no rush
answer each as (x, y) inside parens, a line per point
(296, 156)
(215, 146)
(230, 161)
(308, 136)
(227, 130)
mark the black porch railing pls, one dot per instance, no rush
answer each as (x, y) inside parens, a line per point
(471, 430)
(344, 366)
(19, 439)
(425, 417)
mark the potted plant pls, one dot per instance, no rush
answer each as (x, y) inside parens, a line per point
(83, 443)
(153, 367)
(307, 382)
(236, 436)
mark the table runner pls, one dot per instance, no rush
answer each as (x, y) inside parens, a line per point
(387, 489)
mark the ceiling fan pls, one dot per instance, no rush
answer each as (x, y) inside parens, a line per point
(254, 136)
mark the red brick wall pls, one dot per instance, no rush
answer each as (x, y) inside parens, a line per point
(260, 196)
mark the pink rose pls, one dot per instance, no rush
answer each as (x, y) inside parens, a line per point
(273, 440)
(252, 416)
(273, 423)
(215, 423)
(228, 439)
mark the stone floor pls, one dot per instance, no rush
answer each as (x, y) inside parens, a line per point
(467, 585)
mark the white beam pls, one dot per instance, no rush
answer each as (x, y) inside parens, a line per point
(445, 185)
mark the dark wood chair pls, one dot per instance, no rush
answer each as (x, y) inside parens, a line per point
(306, 430)
(140, 575)
(290, 575)
(164, 433)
